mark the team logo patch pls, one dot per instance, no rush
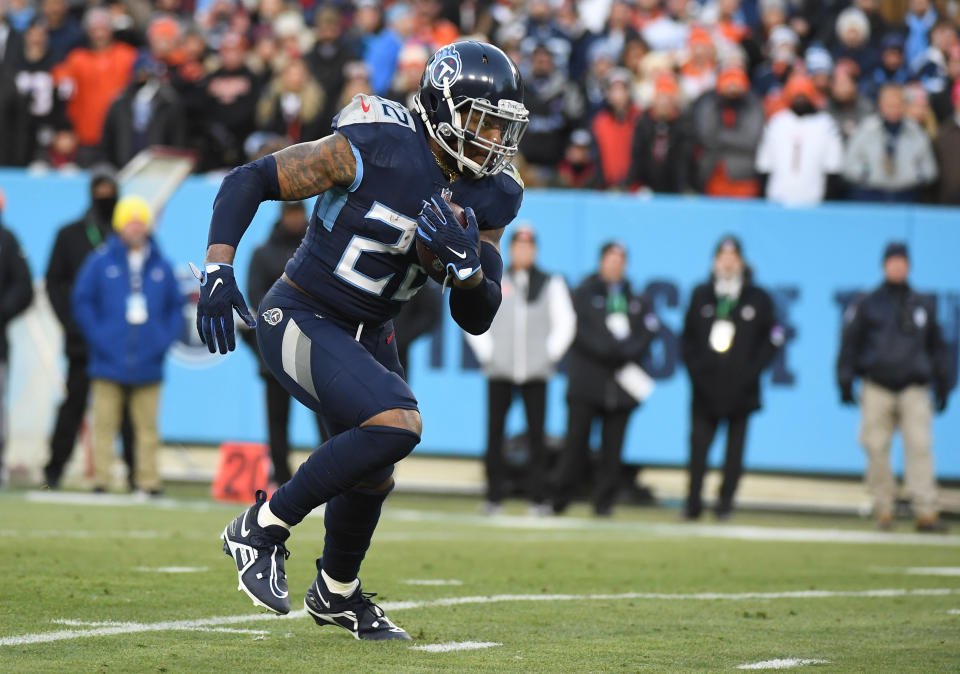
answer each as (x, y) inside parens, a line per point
(272, 316)
(446, 67)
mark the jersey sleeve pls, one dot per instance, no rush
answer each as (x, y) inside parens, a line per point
(502, 209)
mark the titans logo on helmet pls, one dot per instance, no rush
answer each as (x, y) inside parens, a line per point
(446, 67)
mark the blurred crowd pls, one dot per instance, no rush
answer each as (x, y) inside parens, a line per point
(796, 100)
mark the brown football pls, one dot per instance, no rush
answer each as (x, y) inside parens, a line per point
(428, 260)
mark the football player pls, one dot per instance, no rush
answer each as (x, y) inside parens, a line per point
(325, 327)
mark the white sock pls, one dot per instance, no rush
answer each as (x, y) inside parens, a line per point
(266, 518)
(344, 589)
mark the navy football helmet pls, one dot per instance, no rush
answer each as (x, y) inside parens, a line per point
(468, 86)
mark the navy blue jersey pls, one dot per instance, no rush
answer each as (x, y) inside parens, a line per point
(358, 257)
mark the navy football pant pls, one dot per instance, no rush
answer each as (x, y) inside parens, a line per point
(320, 361)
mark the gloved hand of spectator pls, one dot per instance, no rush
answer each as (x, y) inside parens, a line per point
(846, 394)
(219, 296)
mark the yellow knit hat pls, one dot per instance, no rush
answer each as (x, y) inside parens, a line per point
(132, 208)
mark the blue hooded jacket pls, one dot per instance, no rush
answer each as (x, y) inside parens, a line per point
(119, 351)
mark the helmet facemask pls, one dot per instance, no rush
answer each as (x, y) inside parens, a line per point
(469, 116)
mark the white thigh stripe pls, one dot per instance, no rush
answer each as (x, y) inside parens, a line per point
(295, 356)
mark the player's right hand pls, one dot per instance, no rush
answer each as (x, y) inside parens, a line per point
(219, 296)
(457, 247)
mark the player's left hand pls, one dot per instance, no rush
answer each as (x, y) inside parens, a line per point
(219, 296)
(457, 247)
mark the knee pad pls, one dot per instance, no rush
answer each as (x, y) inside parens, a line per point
(391, 444)
(370, 484)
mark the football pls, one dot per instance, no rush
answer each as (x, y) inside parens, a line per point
(428, 260)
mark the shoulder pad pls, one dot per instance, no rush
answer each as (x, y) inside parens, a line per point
(512, 172)
(366, 109)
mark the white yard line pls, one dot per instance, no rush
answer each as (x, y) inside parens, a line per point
(783, 663)
(917, 570)
(110, 628)
(455, 646)
(954, 611)
(170, 569)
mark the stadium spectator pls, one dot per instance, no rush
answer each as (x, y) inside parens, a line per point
(819, 66)
(947, 148)
(917, 107)
(892, 69)
(64, 31)
(594, 86)
(662, 143)
(613, 130)
(36, 110)
(771, 75)
(919, 19)
(74, 243)
(164, 43)
(383, 50)
(331, 51)
(413, 58)
(571, 21)
(531, 333)
(846, 105)
(853, 41)
(669, 31)
(730, 335)
(366, 25)
(889, 157)
(356, 81)
(622, 25)
(801, 146)
(231, 92)
(614, 330)
(541, 27)
(266, 266)
(91, 78)
(431, 28)
(579, 169)
(931, 66)
(773, 13)
(555, 106)
(127, 303)
(699, 73)
(147, 113)
(293, 104)
(727, 125)
(16, 293)
(942, 101)
(892, 341)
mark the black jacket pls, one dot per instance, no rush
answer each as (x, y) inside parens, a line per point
(74, 243)
(266, 266)
(167, 125)
(16, 285)
(728, 383)
(660, 157)
(892, 338)
(596, 354)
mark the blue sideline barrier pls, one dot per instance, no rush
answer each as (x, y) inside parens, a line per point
(812, 260)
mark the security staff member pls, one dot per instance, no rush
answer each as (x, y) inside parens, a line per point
(614, 330)
(730, 335)
(891, 340)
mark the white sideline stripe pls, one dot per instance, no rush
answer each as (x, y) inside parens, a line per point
(417, 581)
(84, 498)
(918, 570)
(111, 628)
(684, 530)
(449, 646)
(170, 569)
(954, 611)
(783, 663)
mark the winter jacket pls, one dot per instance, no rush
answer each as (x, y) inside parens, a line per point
(661, 154)
(892, 338)
(119, 351)
(596, 354)
(947, 148)
(16, 285)
(727, 134)
(727, 383)
(167, 124)
(532, 329)
(74, 244)
(266, 266)
(866, 164)
(556, 107)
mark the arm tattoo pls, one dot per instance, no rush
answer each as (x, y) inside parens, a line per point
(307, 169)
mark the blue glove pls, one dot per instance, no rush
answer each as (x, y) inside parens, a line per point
(219, 296)
(455, 246)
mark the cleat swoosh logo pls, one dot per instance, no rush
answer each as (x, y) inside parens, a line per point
(320, 597)
(216, 283)
(461, 255)
(243, 525)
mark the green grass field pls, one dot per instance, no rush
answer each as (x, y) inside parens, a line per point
(81, 592)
